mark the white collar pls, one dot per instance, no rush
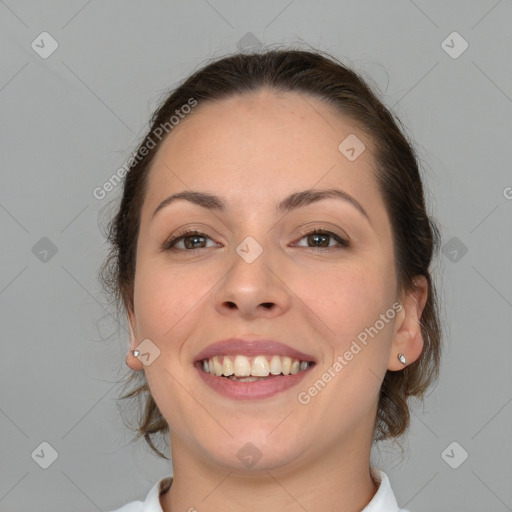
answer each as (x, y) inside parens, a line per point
(384, 499)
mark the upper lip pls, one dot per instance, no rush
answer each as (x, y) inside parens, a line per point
(250, 348)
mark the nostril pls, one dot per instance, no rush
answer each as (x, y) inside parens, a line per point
(268, 305)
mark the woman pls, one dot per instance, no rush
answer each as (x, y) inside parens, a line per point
(272, 252)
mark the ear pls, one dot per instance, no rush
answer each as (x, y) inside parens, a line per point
(133, 362)
(407, 339)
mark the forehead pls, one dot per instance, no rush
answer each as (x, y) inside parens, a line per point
(258, 147)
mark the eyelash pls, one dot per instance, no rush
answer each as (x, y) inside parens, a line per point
(169, 244)
(343, 244)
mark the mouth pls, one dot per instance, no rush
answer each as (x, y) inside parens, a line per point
(241, 368)
(252, 369)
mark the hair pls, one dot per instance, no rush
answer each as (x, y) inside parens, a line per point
(415, 234)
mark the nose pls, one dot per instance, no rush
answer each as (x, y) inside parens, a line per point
(253, 289)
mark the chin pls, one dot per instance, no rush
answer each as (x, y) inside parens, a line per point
(254, 451)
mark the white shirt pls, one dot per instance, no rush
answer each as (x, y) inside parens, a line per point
(383, 501)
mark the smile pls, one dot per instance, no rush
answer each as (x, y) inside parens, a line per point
(252, 378)
(250, 369)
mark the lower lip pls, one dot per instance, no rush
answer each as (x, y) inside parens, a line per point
(252, 390)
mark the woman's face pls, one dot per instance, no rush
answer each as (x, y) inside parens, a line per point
(255, 274)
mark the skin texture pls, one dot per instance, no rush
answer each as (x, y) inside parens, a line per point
(254, 150)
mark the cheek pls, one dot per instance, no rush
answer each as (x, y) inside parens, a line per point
(163, 296)
(346, 300)
(157, 300)
(349, 304)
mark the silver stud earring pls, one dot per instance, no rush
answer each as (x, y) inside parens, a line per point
(401, 358)
(135, 353)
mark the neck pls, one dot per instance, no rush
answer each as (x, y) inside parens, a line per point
(338, 479)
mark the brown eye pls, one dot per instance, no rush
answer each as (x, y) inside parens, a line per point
(191, 240)
(321, 239)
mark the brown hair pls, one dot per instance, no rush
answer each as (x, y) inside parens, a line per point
(415, 235)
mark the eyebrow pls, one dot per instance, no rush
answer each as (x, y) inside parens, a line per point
(292, 202)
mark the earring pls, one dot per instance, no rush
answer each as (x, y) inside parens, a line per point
(401, 358)
(135, 353)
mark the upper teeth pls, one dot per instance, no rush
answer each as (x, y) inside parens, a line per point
(259, 366)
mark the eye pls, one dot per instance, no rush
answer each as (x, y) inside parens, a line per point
(320, 239)
(192, 240)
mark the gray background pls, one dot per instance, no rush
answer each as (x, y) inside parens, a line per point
(70, 121)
